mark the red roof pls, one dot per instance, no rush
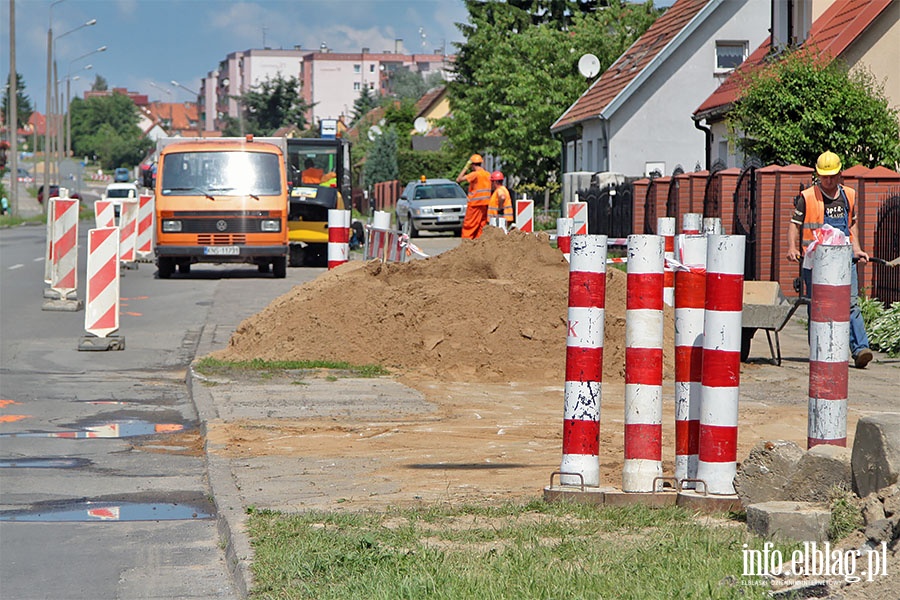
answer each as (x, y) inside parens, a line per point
(628, 66)
(830, 35)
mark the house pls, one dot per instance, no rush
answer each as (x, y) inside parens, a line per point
(861, 33)
(635, 118)
(431, 107)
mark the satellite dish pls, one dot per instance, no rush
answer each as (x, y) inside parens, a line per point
(374, 132)
(589, 66)
(421, 124)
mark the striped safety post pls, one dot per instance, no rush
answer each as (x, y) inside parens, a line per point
(144, 236)
(584, 361)
(720, 380)
(128, 217)
(665, 226)
(338, 237)
(525, 215)
(564, 236)
(101, 313)
(578, 212)
(64, 250)
(691, 223)
(643, 364)
(104, 213)
(712, 225)
(829, 345)
(690, 303)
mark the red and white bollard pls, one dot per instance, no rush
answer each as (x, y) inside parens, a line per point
(584, 361)
(691, 223)
(643, 364)
(690, 303)
(63, 255)
(578, 212)
(712, 226)
(717, 460)
(525, 215)
(666, 228)
(144, 237)
(338, 237)
(101, 315)
(128, 217)
(829, 345)
(564, 236)
(104, 213)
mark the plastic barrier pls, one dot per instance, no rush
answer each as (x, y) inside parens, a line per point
(128, 216)
(338, 237)
(63, 212)
(578, 212)
(525, 215)
(145, 229)
(101, 315)
(104, 213)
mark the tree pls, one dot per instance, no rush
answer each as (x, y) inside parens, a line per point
(272, 104)
(381, 161)
(363, 104)
(405, 84)
(23, 103)
(514, 78)
(798, 106)
(107, 127)
(99, 84)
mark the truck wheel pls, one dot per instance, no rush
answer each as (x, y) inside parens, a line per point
(262, 267)
(296, 254)
(184, 268)
(166, 267)
(279, 267)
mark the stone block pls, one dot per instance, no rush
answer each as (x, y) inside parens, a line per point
(891, 498)
(789, 521)
(763, 475)
(876, 453)
(872, 509)
(821, 469)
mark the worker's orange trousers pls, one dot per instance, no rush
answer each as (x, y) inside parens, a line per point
(475, 219)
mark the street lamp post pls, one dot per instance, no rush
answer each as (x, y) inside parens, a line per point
(197, 94)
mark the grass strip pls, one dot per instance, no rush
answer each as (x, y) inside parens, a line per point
(213, 366)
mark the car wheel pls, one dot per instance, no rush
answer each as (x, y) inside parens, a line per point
(279, 267)
(166, 267)
(413, 232)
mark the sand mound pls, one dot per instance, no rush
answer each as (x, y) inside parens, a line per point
(492, 309)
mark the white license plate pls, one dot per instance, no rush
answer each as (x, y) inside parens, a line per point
(222, 251)
(448, 218)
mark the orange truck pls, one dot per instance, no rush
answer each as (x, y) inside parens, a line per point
(221, 200)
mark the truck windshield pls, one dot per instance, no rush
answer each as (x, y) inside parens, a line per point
(221, 173)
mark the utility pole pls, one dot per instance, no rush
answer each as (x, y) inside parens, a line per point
(13, 114)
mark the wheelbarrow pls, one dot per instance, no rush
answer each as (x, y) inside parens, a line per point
(767, 308)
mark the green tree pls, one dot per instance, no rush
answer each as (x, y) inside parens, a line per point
(405, 84)
(99, 84)
(363, 104)
(799, 106)
(514, 78)
(107, 127)
(272, 104)
(381, 161)
(23, 103)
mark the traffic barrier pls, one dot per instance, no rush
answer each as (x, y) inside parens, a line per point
(691, 223)
(384, 245)
(101, 315)
(829, 345)
(63, 213)
(643, 364)
(128, 216)
(665, 227)
(712, 226)
(720, 379)
(338, 237)
(48, 246)
(104, 213)
(584, 361)
(525, 215)
(690, 302)
(578, 212)
(498, 222)
(145, 229)
(564, 236)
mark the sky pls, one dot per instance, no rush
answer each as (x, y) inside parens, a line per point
(152, 42)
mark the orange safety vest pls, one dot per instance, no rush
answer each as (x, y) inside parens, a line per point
(479, 187)
(500, 204)
(815, 210)
(311, 175)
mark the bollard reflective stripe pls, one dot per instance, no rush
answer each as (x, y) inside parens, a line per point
(691, 223)
(338, 237)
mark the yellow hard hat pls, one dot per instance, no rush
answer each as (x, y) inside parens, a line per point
(828, 164)
(476, 159)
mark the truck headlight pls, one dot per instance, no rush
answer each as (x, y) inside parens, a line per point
(270, 225)
(170, 226)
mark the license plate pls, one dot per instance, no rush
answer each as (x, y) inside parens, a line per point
(447, 218)
(222, 250)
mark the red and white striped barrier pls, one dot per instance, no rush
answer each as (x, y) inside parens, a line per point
(712, 226)
(829, 345)
(564, 236)
(104, 213)
(578, 212)
(384, 245)
(584, 361)
(64, 250)
(338, 237)
(666, 228)
(690, 303)
(525, 215)
(144, 237)
(101, 313)
(691, 223)
(128, 216)
(717, 460)
(48, 246)
(643, 364)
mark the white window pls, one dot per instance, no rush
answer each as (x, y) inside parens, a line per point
(356, 86)
(371, 68)
(357, 68)
(729, 55)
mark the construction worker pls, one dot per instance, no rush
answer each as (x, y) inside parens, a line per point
(479, 195)
(311, 174)
(500, 204)
(828, 202)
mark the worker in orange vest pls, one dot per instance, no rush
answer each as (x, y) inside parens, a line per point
(479, 195)
(311, 174)
(500, 204)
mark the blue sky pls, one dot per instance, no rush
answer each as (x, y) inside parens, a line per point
(163, 40)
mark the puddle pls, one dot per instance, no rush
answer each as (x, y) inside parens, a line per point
(48, 462)
(113, 429)
(86, 511)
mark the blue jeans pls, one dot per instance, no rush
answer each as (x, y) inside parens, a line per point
(858, 337)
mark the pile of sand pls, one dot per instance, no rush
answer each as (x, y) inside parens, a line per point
(492, 309)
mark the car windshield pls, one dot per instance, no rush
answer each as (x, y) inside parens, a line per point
(221, 173)
(120, 193)
(438, 190)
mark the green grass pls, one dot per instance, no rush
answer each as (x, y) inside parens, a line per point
(533, 550)
(213, 366)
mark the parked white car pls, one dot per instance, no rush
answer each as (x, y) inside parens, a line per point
(118, 192)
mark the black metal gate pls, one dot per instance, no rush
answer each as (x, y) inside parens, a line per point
(672, 200)
(610, 209)
(746, 204)
(650, 208)
(711, 205)
(885, 279)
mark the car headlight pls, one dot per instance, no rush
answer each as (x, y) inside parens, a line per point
(171, 226)
(424, 211)
(270, 225)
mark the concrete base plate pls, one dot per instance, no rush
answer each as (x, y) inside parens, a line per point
(655, 500)
(99, 344)
(129, 265)
(576, 494)
(708, 503)
(52, 294)
(63, 305)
